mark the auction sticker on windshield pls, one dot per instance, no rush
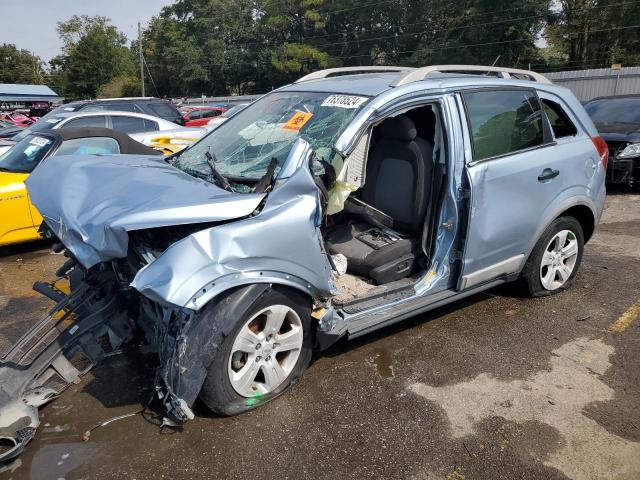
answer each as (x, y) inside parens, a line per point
(343, 101)
(297, 121)
(39, 141)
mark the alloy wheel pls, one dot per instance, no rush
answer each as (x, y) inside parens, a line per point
(559, 260)
(265, 351)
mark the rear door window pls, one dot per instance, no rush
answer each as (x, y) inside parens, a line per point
(126, 124)
(150, 126)
(560, 123)
(503, 121)
(97, 121)
(121, 107)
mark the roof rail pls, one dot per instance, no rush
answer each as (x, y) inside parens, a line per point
(419, 74)
(330, 71)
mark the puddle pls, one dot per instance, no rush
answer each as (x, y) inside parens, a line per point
(55, 461)
(383, 362)
(556, 397)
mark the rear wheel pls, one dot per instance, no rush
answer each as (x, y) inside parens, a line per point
(555, 259)
(266, 352)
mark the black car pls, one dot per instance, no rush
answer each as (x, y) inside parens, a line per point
(149, 105)
(618, 121)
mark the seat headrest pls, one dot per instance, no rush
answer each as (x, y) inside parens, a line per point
(399, 128)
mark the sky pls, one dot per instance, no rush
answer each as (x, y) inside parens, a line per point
(31, 24)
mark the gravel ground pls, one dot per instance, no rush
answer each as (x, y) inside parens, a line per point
(496, 386)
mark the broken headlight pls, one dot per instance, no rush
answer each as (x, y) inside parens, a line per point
(631, 151)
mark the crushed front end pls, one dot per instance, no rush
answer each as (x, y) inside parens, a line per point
(83, 328)
(98, 313)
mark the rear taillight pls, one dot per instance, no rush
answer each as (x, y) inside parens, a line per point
(603, 150)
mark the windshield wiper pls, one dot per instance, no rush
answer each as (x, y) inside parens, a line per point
(267, 179)
(217, 176)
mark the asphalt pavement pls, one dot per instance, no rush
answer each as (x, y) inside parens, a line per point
(497, 386)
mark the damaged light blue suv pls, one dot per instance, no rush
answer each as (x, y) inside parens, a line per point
(346, 201)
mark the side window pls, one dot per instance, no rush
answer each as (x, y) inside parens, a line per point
(127, 124)
(150, 126)
(121, 107)
(195, 115)
(558, 119)
(503, 121)
(97, 121)
(89, 146)
(211, 113)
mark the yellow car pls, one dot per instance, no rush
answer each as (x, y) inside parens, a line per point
(170, 145)
(19, 219)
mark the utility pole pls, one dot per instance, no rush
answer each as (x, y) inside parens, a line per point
(141, 58)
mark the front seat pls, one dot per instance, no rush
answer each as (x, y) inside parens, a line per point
(397, 183)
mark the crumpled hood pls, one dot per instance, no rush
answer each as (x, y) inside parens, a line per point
(92, 201)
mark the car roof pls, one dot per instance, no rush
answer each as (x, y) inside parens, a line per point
(112, 113)
(374, 84)
(369, 84)
(614, 97)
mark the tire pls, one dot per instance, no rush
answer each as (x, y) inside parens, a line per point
(560, 265)
(222, 395)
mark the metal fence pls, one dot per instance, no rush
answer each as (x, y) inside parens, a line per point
(600, 82)
(232, 100)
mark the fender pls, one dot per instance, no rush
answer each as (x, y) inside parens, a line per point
(281, 244)
(199, 341)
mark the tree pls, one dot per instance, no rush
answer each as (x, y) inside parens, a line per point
(596, 33)
(120, 86)
(20, 66)
(94, 52)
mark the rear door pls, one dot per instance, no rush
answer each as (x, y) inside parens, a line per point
(514, 174)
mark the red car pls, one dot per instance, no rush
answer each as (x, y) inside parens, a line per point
(200, 116)
(17, 119)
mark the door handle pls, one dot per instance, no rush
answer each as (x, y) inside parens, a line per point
(548, 174)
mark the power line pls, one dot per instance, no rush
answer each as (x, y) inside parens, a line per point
(478, 14)
(498, 42)
(461, 27)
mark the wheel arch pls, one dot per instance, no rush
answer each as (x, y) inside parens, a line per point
(582, 211)
(585, 216)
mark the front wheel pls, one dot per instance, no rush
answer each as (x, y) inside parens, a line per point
(265, 353)
(555, 259)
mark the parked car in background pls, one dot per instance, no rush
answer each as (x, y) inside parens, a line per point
(19, 219)
(156, 107)
(618, 121)
(199, 116)
(429, 185)
(214, 122)
(8, 130)
(18, 119)
(170, 141)
(124, 122)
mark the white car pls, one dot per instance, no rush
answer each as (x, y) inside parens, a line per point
(130, 123)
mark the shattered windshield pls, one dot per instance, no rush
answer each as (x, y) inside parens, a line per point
(244, 146)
